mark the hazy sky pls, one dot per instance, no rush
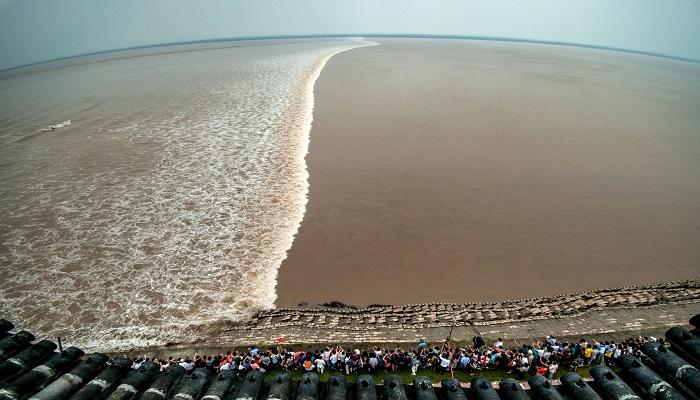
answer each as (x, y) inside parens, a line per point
(38, 30)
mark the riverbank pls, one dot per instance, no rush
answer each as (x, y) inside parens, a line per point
(605, 314)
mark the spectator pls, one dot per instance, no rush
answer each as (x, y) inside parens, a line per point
(308, 365)
(478, 342)
(553, 367)
(320, 365)
(422, 345)
(542, 357)
(187, 364)
(587, 354)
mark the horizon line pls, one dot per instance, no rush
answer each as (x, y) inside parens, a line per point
(363, 35)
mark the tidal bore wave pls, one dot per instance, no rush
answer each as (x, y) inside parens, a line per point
(169, 202)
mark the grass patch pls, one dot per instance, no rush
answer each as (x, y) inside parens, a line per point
(435, 377)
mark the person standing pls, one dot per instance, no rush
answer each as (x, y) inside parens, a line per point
(478, 342)
(320, 365)
(415, 362)
(553, 367)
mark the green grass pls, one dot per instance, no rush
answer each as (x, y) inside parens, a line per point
(435, 377)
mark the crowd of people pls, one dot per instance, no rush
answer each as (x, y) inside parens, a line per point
(543, 357)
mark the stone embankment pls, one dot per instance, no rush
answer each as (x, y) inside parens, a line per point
(604, 310)
(432, 315)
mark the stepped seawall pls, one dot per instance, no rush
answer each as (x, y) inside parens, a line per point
(647, 308)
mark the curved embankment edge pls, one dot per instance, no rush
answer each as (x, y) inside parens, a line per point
(380, 322)
(436, 315)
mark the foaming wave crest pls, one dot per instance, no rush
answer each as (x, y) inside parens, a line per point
(169, 202)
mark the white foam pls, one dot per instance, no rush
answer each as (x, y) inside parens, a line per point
(190, 222)
(304, 132)
(57, 126)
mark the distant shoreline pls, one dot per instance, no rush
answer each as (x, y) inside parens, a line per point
(350, 35)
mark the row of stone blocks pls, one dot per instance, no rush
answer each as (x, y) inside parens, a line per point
(434, 315)
(37, 372)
